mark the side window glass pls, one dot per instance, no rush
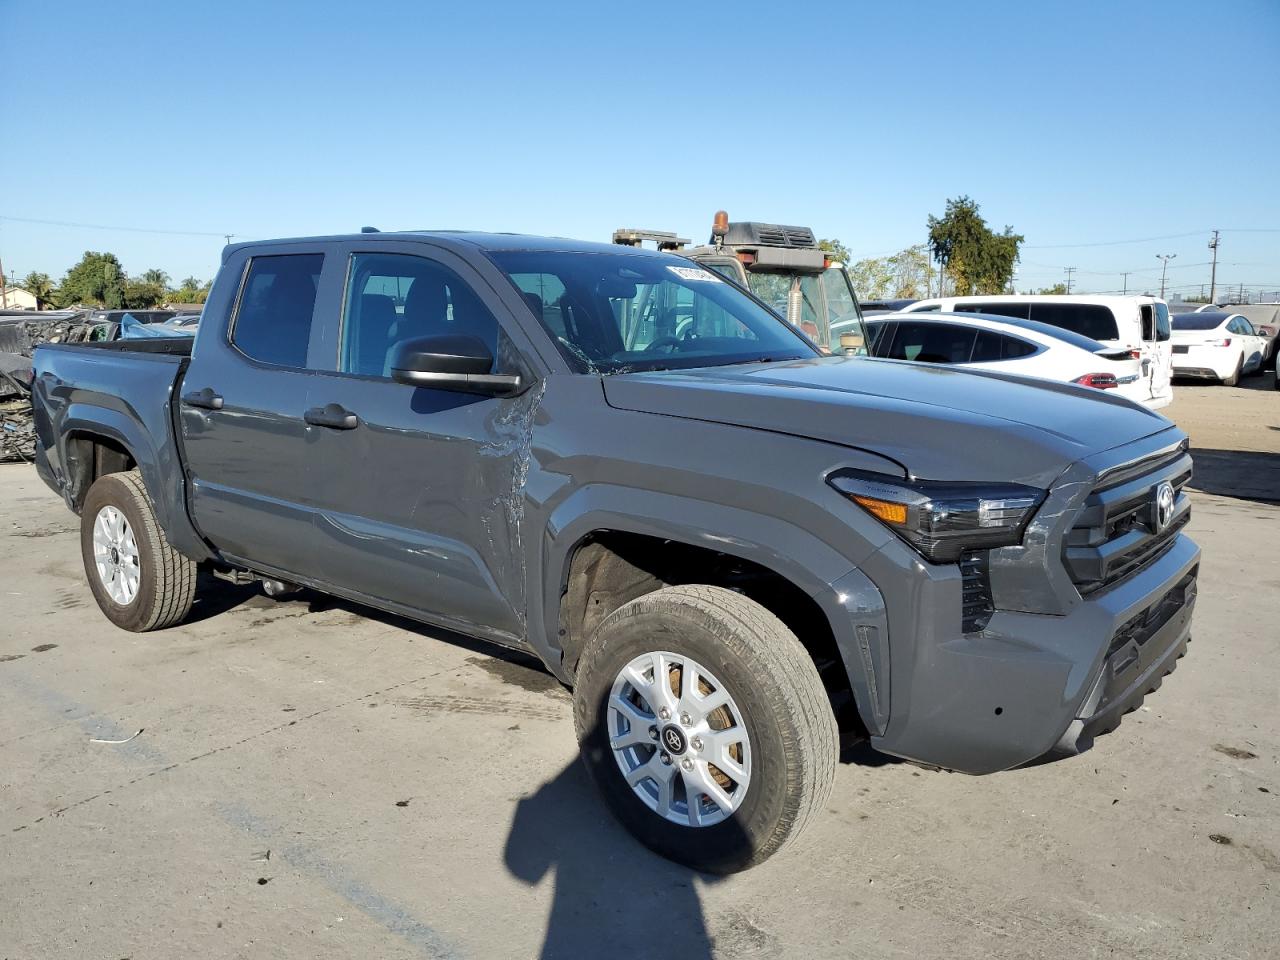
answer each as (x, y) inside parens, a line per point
(1148, 322)
(988, 347)
(933, 343)
(1013, 348)
(1163, 329)
(273, 319)
(393, 297)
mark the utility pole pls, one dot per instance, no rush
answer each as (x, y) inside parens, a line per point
(1126, 281)
(1213, 275)
(4, 291)
(1166, 257)
(228, 236)
(1069, 271)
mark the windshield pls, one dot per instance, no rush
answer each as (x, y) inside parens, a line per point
(615, 313)
(1197, 321)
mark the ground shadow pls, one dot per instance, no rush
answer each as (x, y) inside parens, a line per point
(1257, 381)
(215, 596)
(612, 896)
(1242, 474)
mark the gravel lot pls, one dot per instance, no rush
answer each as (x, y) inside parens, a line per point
(315, 780)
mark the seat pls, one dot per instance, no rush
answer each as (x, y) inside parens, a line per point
(426, 314)
(374, 323)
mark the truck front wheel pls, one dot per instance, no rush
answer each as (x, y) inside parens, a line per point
(139, 581)
(705, 725)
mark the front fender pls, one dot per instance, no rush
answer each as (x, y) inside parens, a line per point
(851, 602)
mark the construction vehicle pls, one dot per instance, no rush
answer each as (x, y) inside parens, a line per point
(781, 265)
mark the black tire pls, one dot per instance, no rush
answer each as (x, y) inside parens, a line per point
(167, 579)
(1232, 380)
(784, 707)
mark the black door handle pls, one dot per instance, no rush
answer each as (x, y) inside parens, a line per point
(205, 399)
(333, 415)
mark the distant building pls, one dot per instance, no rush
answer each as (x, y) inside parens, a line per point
(15, 298)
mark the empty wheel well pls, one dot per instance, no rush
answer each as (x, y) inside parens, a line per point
(609, 569)
(90, 456)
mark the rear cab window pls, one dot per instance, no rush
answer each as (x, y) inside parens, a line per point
(274, 312)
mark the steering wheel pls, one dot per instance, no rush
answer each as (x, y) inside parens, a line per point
(671, 342)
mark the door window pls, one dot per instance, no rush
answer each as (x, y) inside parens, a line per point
(273, 319)
(1163, 330)
(1089, 319)
(992, 347)
(1148, 322)
(393, 297)
(932, 342)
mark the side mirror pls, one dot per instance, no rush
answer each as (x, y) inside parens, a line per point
(459, 363)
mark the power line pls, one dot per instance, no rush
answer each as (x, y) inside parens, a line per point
(99, 226)
(1169, 236)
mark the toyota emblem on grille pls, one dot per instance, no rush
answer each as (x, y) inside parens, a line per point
(1162, 508)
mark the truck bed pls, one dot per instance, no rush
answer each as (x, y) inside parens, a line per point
(123, 392)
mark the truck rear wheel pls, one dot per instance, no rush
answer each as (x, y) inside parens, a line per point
(139, 581)
(705, 725)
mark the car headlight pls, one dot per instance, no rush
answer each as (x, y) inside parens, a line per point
(943, 520)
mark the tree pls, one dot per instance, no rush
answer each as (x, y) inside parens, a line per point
(837, 250)
(1057, 288)
(908, 273)
(191, 290)
(977, 259)
(158, 277)
(41, 287)
(98, 279)
(142, 295)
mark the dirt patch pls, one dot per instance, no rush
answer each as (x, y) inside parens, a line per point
(528, 675)
(1235, 753)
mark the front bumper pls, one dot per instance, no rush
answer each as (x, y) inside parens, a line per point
(1029, 684)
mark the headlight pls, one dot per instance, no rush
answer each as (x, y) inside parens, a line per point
(943, 520)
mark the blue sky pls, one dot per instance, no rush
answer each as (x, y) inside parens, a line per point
(1076, 123)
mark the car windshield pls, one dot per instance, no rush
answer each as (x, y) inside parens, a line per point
(623, 312)
(1197, 321)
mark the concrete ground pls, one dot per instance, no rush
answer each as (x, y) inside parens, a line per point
(315, 780)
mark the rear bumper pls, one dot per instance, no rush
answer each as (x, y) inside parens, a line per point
(1032, 684)
(1209, 363)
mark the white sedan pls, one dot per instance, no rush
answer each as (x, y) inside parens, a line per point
(1007, 344)
(1217, 345)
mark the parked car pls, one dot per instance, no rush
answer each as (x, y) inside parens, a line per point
(1218, 345)
(735, 549)
(885, 306)
(1021, 347)
(1136, 323)
(142, 316)
(1265, 318)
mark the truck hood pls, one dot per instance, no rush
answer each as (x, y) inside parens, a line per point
(936, 422)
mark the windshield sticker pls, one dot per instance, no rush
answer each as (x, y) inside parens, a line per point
(695, 273)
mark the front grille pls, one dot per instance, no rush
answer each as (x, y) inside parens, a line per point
(976, 602)
(1115, 534)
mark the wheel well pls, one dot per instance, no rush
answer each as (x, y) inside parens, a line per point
(610, 568)
(90, 456)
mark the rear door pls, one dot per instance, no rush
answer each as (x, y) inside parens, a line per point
(242, 404)
(418, 501)
(927, 341)
(1160, 351)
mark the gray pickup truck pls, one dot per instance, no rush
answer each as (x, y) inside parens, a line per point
(739, 552)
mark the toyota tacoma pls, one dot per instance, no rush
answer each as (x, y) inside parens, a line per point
(740, 553)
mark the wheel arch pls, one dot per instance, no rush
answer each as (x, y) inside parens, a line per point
(625, 543)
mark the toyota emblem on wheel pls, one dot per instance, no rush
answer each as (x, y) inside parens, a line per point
(673, 740)
(1163, 507)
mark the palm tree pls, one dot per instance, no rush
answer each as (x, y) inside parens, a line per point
(39, 286)
(158, 277)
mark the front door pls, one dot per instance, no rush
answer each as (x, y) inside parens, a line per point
(419, 498)
(242, 405)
